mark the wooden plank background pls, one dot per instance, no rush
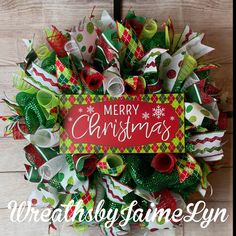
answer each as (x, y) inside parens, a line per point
(22, 19)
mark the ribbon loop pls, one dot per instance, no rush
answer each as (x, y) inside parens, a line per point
(111, 164)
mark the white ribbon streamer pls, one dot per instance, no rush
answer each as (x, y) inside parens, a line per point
(113, 83)
(44, 138)
(195, 48)
(52, 167)
(71, 47)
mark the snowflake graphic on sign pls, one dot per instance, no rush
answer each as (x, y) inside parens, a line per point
(145, 115)
(90, 109)
(158, 112)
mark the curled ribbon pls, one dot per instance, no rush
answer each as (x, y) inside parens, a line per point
(34, 117)
(85, 164)
(111, 164)
(57, 41)
(44, 138)
(106, 21)
(150, 69)
(20, 84)
(48, 63)
(84, 36)
(134, 22)
(187, 166)
(44, 196)
(71, 47)
(52, 167)
(197, 115)
(37, 156)
(91, 78)
(135, 85)
(164, 162)
(49, 104)
(32, 174)
(207, 145)
(37, 199)
(42, 52)
(134, 51)
(113, 83)
(41, 79)
(149, 29)
(67, 79)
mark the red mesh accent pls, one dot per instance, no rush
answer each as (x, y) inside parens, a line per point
(57, 42)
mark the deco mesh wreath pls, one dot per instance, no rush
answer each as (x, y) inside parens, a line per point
(130, 58)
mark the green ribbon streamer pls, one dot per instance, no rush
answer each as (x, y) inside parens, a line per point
(43, 52)
(48, 64)
(47, 102)
(157, 41)
(149, 29)
(33, 175)
(20, 84)
(33, 114)
(189, 64)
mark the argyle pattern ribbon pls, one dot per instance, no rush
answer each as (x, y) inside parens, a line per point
(187, 166)
(87, 197)
(105, 168)
(134, 51)
(67, 80)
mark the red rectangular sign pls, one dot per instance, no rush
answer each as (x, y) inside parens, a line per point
(128, 124)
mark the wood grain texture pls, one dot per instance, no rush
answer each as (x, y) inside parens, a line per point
(214, 229)
(222, 186)
(12, 155)
(23, 19)
(201, 15)
(15, 188)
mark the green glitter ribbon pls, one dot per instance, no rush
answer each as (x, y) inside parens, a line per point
(33, 114)
(150, 180)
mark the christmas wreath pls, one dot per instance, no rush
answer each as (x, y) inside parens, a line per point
(103, 56)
